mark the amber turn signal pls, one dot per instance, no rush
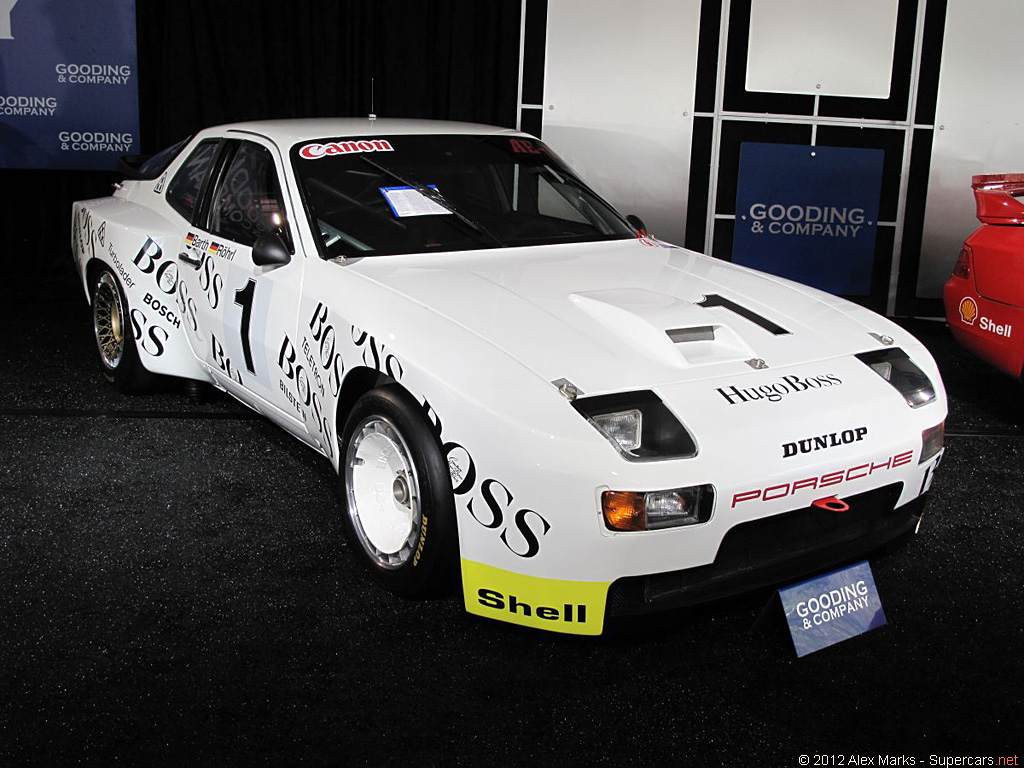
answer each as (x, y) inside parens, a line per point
(624, 510)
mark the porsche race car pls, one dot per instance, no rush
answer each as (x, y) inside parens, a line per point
(517, 385)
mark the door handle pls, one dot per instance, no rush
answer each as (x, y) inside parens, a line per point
(195, 261)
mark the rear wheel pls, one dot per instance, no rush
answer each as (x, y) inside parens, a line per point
(399, 507)
(115, 343)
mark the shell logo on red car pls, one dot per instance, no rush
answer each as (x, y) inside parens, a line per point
(968, 310)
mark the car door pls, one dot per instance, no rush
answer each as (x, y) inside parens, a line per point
(237, 311)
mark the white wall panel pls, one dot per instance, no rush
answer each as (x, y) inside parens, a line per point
(979, 125)
(619, 89)
(822, 47)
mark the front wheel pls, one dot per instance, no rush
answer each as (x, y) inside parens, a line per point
(115, 343)
(399, 505)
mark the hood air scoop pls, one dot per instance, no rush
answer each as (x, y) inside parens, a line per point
(664, 328)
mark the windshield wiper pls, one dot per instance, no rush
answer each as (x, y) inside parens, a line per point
(435, 197)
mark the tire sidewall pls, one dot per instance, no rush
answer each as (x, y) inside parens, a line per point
(128, 375)
(431, 569)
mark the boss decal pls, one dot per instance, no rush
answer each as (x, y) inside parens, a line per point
(304, 396)
(326, 340)
(150, 337)
(773, 393)
(210, 281)
(821, 442)
(150, 261)
(374, 354)
(223, 361)
(83, 234)
(490, 503)
(316, 151)
(187, 306)
(783, 490)
(521, 529)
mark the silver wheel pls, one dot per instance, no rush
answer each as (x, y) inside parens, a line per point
(108, 321)
(383, 492)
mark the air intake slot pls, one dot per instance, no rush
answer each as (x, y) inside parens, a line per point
(696, 333)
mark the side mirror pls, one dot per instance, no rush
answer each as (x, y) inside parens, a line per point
(270, 251)
(636, 223)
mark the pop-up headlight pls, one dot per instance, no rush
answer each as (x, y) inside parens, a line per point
(894, 366)
(639, 425)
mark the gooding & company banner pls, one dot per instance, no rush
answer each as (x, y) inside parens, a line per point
(69, 96)
(809, 213)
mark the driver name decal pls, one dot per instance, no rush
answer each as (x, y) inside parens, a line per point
(317, 151)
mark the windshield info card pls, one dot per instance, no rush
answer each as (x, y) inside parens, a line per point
(406, 201)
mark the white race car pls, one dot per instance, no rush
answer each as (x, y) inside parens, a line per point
(512, 379)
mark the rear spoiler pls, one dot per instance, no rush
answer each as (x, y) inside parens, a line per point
(996, 196)
(129, 166)
(148, 167)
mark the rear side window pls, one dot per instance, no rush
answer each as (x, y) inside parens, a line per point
(183, 191)
(153, 166)
(248, 201)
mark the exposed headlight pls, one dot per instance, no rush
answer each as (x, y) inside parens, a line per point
(622, 427)
(894, 366)
(654, 510)
(639, 425)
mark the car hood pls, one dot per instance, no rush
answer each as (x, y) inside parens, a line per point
(628, 314)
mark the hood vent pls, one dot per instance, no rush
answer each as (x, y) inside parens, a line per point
(697, 333)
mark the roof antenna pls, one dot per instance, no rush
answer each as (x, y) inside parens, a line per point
(372, 116)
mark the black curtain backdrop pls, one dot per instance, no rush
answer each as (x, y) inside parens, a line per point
(204, 63)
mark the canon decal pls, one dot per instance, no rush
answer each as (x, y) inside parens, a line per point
(774, 392)
(317, 151)
(821, 442)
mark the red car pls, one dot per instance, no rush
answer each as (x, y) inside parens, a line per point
(984, 297)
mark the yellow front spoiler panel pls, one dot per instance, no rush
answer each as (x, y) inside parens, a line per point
(574, 607)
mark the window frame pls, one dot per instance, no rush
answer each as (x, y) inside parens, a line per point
(193, 216)
(216, 179)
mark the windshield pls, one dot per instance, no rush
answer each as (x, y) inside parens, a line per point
(378, 195)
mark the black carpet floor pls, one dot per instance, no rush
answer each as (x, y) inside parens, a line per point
(175, 590)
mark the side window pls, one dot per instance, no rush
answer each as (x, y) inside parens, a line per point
(248, 201)
(183, 191)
